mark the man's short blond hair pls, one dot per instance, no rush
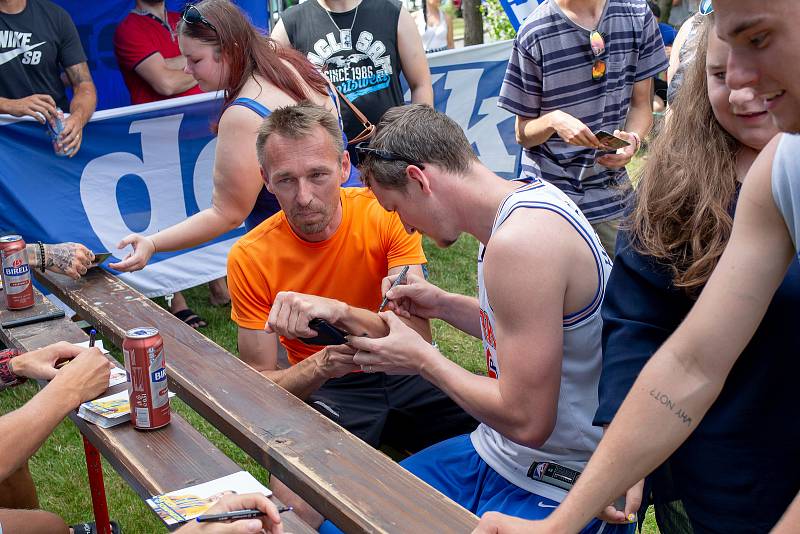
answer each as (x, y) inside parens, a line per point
(296, 122)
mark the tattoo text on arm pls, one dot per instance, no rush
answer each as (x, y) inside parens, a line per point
(664, 400)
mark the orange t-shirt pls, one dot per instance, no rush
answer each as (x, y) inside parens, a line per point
(349, 266)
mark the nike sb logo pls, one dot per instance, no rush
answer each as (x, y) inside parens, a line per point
(21, 43)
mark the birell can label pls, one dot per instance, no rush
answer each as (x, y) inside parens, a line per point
(146, 364)
(16, 273)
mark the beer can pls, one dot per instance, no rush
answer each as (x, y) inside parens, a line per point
(145, 362)
(16, 273)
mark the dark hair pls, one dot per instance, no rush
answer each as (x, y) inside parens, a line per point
(682, 214)
(654, 8)
(296, 122)
(247, 52)
(419, 133)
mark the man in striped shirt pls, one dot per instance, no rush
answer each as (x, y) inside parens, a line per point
(577, 67)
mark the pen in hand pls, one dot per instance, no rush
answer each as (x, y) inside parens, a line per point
(92, 336)
(397, 281)
(238, 514)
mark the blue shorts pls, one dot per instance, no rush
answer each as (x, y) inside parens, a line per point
(455, 468)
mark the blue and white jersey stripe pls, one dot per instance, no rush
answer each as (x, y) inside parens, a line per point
(550, 69)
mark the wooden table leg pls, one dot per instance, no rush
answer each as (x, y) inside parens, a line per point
(94, 468)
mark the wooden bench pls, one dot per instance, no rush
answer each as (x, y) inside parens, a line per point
(145, 460)
(357, 487)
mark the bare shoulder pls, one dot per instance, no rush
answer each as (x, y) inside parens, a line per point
(235, 121)
(532, 234)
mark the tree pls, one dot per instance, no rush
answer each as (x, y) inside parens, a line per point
(473, 22)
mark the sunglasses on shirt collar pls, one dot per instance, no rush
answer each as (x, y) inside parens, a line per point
(364, 151)
(192, 15)
(598, 45)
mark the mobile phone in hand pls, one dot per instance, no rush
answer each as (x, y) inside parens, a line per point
(99, 258)
(327, 334)
(610, 141)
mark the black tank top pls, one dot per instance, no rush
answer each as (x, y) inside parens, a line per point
(363, 63)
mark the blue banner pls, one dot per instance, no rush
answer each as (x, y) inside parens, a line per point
(517, 10)
(145, 168)
(96, 28)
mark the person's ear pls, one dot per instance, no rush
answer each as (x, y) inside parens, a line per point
(266, 180)
(417, 176)
(345, 167)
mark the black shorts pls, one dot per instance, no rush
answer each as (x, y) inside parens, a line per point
(405, 412)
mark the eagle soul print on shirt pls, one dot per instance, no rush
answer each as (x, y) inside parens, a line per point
(356, 68)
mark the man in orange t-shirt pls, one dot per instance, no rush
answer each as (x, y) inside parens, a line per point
(324, 256)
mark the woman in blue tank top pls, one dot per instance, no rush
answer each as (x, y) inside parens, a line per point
(224, 51)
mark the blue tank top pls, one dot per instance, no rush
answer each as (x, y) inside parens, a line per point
(266, 204)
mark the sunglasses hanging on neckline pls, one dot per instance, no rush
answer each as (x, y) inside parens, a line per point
(598, 45)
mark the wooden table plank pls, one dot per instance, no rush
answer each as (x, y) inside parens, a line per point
(348, 481)
(146, 460)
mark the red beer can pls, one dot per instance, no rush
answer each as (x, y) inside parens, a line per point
(146, 364)
(15, 273)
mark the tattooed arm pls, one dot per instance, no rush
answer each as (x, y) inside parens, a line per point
(71, 259)
(83, 103)
(684, 377)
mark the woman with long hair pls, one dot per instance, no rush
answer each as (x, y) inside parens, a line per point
(738, 471)
(727, 477)
(224, 51)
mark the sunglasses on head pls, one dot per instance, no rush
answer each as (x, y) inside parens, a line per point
(192, 15)
(598, 48)
(706, 8)
(363, 151)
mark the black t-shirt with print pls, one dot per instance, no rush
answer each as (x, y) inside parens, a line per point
(35, 46)
(364, 63)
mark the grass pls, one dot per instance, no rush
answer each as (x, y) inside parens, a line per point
(59, 469)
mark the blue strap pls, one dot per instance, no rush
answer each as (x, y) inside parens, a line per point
(252, 105)
(336, 107)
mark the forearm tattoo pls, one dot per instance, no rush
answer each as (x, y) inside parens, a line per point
(59, 258)
(664, 400)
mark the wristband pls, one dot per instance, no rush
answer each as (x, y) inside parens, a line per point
(41, 256)
(7, 376)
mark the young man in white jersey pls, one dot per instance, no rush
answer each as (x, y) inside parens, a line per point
(541, 276)
(682, 380)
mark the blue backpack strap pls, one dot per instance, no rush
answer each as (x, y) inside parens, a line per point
(252, 105)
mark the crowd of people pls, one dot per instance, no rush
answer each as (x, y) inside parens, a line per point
(637, 341)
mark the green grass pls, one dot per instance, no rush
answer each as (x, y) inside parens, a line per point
(59, 467)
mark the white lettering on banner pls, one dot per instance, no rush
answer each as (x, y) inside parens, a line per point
(160, 170)
(203, 175)
(485, 134)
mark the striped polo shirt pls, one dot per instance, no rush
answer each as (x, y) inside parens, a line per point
(551, 69)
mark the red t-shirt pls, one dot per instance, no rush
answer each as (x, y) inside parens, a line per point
(137, 38)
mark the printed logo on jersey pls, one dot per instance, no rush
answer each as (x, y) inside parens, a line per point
(490, 344)
(20, 44)
(356, 69)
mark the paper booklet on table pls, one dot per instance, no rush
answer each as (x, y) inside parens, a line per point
(182, 505)
(108, 411)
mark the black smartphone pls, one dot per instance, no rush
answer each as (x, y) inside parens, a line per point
(99, 258)
(327, 334)
(610, 141)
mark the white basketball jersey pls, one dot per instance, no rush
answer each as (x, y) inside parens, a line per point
(574, 438)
